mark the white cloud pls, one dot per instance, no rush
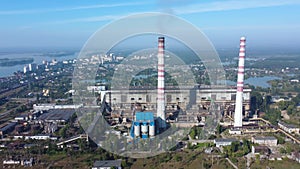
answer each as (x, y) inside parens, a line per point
(231, 5)
(88, 19)
(197, 8)
(255, 27)
(94, 19)
(35, 11)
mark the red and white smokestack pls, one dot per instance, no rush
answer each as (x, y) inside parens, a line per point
(161, 83)
(238, 114)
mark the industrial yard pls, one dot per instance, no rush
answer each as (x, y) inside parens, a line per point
(208, 126)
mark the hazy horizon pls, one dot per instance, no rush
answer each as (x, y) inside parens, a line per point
(68, 24)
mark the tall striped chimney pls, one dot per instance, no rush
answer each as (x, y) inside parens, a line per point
(238, 114)
(161, 83)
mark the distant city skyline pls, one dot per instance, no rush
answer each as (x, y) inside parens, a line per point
(68, 24)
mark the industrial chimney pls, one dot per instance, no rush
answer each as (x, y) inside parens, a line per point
(238, 114)
(161, 83)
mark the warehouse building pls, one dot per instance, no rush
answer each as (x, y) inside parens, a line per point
(269, 141)
(56, 116)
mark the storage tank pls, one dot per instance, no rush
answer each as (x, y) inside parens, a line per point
(152, 129)
(145, 128)
(137, 129)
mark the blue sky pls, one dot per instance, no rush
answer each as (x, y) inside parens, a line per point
(69, 23)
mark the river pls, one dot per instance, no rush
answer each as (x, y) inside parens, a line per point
(257, 81)
(38, 58)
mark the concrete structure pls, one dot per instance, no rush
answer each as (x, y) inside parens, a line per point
(161, 83)
(32, 67)
(42, 107)
(294, 80)
(223, 142)
(143, 125)
(204, 95)
(96, 88)
(290, 128)
(235, 131)
(107, 164)
(23, 117)
(269, 141)
(238, 113)
(264, 150)
(36, 137)
(72, 139)
(25, 69)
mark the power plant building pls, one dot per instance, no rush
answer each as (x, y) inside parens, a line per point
(161, 100)
(203, 96)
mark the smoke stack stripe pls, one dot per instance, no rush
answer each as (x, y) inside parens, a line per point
(238, 115)
(161, 82)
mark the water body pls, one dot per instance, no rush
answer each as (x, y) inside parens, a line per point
(38, 58)
(290, 75)
(261, 81)
(256, 81)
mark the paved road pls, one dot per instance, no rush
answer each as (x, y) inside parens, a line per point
(231, 163)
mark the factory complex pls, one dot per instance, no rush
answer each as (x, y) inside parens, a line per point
(151, 110)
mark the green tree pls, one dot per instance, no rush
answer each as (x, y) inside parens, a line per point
(280, 140)
(234, 146)
(246, 146)
(63, 132)
(290, 109)
(219, 129)
(178, 158)
(193, 133)
(206, 165)
(282, 150)
(227, 150)
(296, 99)
(257, 159)
(273, 116)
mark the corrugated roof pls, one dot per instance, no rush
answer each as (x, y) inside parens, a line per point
(287, 125)
(144, 116)
(10, 125)
(57, 114)
(266, 138)
(225, 140)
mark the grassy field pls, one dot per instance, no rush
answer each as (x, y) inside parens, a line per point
(187, 159)
(283, 164)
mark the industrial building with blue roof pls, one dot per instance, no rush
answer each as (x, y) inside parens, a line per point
(143, 125)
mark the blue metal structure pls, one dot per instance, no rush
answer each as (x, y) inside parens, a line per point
(143, 125)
